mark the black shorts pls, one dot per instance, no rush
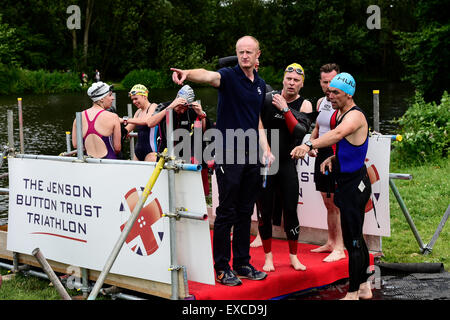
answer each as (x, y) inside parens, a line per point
(324, 183)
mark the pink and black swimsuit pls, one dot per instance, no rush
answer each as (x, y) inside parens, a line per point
(107, 140)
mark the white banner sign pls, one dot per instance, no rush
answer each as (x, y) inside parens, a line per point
(74, 212)
(311, 210)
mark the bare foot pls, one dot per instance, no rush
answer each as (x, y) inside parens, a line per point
(325, 248)
(257, 242)
(295, 263)
(365, 292)
(335, 255)
(351, 296)
(268, 263)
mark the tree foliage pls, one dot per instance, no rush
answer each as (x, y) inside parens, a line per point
(426, 131)
(9, 44)
(425, 52)
(124, 35)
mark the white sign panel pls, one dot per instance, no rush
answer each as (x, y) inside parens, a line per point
(311, 210)
(74, 212)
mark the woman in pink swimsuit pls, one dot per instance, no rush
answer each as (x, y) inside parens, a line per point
(101, 130)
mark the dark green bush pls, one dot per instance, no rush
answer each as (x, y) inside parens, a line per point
(152, 79)
(17, 80)
(425, 128)
(272, 76)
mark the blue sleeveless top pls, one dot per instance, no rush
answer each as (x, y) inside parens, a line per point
(350, 158)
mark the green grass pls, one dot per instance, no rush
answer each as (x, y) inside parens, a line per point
(23, 287)
(427, 197)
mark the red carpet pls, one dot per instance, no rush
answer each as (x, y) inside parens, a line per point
(284, 280)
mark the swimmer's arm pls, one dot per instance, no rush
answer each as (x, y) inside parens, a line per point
(141, 121)
(156, 118)
(117, 135)
(306, 107)
(74, 134)
(318, 103)
(131, 126)
(315, 132)
(351, 123)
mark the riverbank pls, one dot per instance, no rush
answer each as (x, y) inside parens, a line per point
(15, 80)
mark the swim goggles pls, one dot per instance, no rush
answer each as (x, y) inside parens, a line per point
(138, 89)
(298, 70)
(137, 92)
(101, 90)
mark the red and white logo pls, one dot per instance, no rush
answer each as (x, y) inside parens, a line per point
(145, 236)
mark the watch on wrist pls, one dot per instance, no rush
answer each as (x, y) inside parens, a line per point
(309, 144)
(202, 116)
(284, 110)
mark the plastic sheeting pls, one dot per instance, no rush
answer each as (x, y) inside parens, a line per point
(399, 281)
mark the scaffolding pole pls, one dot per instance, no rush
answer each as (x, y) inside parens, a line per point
(114, 253)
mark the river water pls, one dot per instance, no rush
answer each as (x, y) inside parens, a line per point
(46, 118)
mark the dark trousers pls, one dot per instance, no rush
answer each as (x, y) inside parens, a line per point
(281, 193)
(238, 186)
(352, 193)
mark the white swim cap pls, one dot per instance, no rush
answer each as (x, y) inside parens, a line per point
(99, 90)
(187, 93)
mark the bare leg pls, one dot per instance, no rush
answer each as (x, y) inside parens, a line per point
(351, 296)
(335, 243)
(295, 263)
(365, 291)
(257, 242)
(335, 233)
(268, 262)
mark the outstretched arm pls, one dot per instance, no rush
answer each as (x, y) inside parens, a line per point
(196, 75)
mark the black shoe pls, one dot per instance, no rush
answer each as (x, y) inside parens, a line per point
(249, 272)
(227, 278)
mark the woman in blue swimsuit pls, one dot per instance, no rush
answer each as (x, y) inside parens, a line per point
(146, 122)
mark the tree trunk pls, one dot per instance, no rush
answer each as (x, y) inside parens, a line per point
(89, 9)
(74, 42)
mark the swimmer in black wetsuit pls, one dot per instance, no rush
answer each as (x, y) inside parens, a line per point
(353, 185)
(288, 114)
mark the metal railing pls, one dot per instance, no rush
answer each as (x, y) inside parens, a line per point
(167, 162)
